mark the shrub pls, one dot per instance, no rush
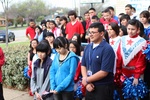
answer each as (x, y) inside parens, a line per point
(16, 60)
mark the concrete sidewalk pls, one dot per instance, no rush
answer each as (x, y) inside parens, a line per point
(10, 94)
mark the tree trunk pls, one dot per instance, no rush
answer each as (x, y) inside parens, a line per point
(15, 22)
(22, 24)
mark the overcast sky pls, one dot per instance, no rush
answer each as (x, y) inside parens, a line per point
(65, 3)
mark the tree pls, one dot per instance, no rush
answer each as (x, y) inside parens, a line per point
(5, 7)
(29, 9)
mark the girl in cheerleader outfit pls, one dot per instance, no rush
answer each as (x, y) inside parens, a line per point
(131, 61)
(114, 38)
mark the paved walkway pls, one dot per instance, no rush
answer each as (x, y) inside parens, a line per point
(10, 94)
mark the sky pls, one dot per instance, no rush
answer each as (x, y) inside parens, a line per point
(56, 3)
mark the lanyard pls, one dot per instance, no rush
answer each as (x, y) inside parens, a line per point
(90, 58)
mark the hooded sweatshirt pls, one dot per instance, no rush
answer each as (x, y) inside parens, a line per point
(62, 75)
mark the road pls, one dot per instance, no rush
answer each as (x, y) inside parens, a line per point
(20, 35)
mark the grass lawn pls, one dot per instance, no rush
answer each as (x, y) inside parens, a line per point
(14, 28)
(3, 45)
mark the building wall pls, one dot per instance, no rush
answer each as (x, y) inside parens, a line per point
(140, 5)
(120, 6)
(2, 23)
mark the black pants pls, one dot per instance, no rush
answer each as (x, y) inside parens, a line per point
(101, 92)
(1, 92)
(64, 96)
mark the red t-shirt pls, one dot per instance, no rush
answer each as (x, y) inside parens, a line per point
(31, 32)
(106, 23)
(72, 29)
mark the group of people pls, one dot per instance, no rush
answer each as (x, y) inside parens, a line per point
(57, 59)
(114, 50)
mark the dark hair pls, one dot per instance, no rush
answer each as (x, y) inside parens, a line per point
(106, 36)
(134, 22)
(52, 21)
(50, 34)
(31, 49)
(134, 8)
(92, 9)
(129, 5)
(43, 22)
(86, 12)
(145, 14)
(61, 42)
(148, 7)
(107, 11)
(125, 16)
(122, 14)
(78, 38)
(57, 17)
(39, 28)
(47, 21)
(80, 17)
(44, 46)
(72, 12)
(141, 29)
(124, 30)
(95, 17)
(97, 25)
(77, 47)
(115, 27)
(142, 34)
(111, 8)
(31, 20)
(64, 18)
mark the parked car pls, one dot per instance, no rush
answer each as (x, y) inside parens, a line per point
(11, 36)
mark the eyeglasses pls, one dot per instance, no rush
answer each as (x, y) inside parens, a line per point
(93, 32)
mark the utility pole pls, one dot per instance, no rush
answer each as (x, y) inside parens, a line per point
(78, 7)
(5, 7)
(92, 2)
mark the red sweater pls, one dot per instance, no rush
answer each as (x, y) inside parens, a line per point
(106, 23)
(72, 29)
(2, 61)
(137, 63)
(31, 32)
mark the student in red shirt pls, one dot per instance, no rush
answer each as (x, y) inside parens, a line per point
(107, 19)
(30, 31)
(92, 12)
(73, 26)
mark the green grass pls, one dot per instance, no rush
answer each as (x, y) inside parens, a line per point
(3, 45)
(14, 28)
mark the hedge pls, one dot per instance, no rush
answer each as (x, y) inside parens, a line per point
(16, 60)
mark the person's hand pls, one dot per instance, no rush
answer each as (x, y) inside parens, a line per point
(135, 81)
(90, 87)
(84, 82)
(53, 91)
(38, 96)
